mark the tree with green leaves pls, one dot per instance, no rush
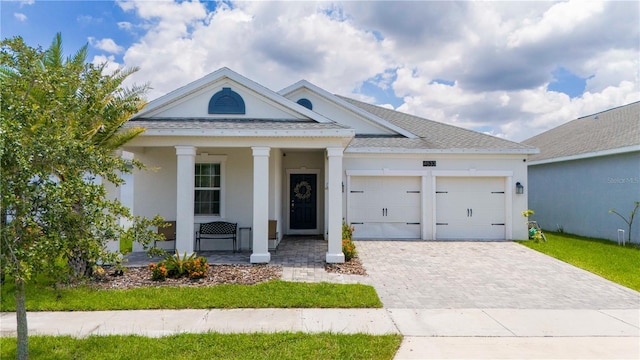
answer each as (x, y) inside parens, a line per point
(61, 122)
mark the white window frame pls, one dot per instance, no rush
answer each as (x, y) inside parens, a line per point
(213, 159)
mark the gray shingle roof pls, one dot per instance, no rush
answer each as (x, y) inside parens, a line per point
(230, 124)
(433, 134)
(607, 130)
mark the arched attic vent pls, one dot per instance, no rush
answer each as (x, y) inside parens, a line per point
(226, 101)
(306, 103)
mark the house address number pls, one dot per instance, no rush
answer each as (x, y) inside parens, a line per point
(429, 163)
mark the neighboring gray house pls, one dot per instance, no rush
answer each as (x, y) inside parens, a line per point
(586, 167)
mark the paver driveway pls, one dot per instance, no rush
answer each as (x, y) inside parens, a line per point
(506, 275)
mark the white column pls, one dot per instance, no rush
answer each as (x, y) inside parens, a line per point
(185, 196)
(260, 205)
(334, 217)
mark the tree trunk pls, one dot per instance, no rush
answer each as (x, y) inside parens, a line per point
(79, 264)
(21, 318)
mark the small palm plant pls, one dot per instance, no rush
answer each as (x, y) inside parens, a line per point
(629, 220)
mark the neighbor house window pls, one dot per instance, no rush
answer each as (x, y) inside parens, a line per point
(208, 188)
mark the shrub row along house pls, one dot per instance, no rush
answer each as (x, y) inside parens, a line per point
(226, 148)
(586, 167)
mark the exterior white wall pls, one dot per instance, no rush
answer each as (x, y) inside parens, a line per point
(155, 187)
(412, 164)
(338, 114)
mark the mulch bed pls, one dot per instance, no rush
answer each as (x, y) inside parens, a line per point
(218, 274)
(351, 267)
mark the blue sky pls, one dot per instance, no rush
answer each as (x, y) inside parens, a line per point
(511, 69)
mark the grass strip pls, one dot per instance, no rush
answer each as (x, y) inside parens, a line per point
(272, 294)
(602, 257)
(209, 346)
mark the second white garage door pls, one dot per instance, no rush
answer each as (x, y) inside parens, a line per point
(470, 208)
(385, 207)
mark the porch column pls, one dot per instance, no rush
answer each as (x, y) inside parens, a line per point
(260, 205)
(334, 214)
(185, 197)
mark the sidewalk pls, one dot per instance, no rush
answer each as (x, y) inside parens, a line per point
(429, 334)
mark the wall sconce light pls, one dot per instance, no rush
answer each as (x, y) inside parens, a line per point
(519, 188)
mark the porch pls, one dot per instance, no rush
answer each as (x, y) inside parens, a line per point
(249, 186)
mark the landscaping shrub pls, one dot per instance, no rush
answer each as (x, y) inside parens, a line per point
(347, 231)
(348, 247)
(159, 271)
(175, 266)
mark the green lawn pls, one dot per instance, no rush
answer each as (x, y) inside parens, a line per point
(605, 258)
(272, 294)
(209, 346)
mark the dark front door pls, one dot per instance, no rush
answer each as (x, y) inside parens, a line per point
(303, 195)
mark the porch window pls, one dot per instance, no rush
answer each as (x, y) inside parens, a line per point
(207, 189)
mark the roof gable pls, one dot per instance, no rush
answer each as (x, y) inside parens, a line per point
(600, 133)
(256, 102)
(335, 108)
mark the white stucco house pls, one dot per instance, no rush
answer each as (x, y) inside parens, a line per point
(226, 147)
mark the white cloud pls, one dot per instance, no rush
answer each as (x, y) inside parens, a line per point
(498, 55)
(106, 44)
(561, 18)
(109, 61)
(20, 16)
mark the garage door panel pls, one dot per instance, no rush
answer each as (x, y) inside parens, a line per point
(402, 214)
(385, 206)
(383, 230)
(462, 231)
(470, 208)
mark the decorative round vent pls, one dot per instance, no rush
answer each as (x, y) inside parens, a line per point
(226, 101)
(306, 103)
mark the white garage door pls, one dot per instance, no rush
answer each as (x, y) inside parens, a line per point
(385, 207)
(470, 208)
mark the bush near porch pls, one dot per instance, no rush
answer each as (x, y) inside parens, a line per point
(602, 257)
(348, 247)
